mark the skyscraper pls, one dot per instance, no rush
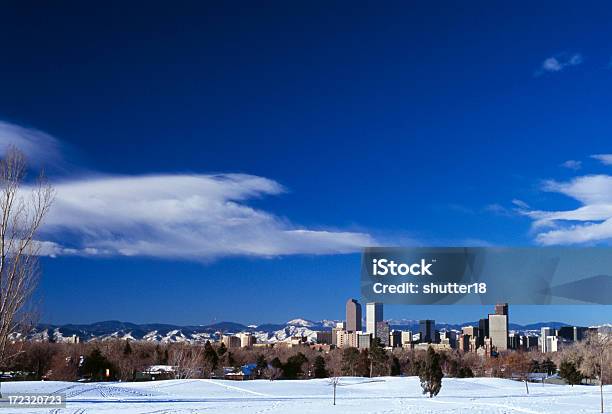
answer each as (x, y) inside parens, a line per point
(501, 309)
(353, 315)
(547, 339)
(426, 330)
(498, 331)
(374, 314)
(483, 331)
(382, 333)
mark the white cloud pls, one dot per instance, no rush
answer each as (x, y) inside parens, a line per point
(559, 62)
(520, 203)
(194, 217)
(589, 223)
(40, 148)
(572, 164)
(605, 159)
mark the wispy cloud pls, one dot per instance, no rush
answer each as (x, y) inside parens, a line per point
(605, 159)
(572, 165)
(40, 148)
(589, 223)
(197, 217)
(559, 62)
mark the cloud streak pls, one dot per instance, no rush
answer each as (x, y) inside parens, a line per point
(572, 165)
(605, 159)
(194, 217)
(40, 148)
(591, 222)
(559, 62)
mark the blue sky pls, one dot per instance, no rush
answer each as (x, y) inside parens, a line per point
(243, 153)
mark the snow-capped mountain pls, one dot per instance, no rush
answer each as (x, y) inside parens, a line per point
(265, 333)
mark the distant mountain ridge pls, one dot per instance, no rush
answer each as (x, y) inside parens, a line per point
(266, 333)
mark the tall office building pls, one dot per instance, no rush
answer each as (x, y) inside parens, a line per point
(571, 333)
(382, 332)
(353, 315)
(483, 331)
(501, 309)
(498, 331)
(546, 339)
(374, 314)
(426, 330)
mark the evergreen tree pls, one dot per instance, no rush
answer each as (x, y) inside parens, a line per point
(211, 359)
(378, 359)
(127, 350)
(570, 373)
(276, 363)
(319, 367)
(465, 372)
(262, 364)
(293, 367)
(95, 365)
(222, 349)
(230, 359)
(396, 368)
(431, 373)
(350, 357)
(548, 366)
(363, 364)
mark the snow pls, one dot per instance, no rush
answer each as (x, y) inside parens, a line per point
(301, 322)
(354, 395)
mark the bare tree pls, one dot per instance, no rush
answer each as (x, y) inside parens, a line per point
(272, 373)
(519, 365)
(333, 382)
(22, 211)
(187, 360)
(596, 351)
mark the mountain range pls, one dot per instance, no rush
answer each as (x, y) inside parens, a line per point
(265, 333)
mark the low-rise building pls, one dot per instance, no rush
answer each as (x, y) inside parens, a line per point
(231, 341)
(406, 339)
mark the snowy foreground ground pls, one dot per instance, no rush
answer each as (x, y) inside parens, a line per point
(354, 395)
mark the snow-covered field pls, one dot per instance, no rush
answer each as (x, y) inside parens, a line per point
(354, 395)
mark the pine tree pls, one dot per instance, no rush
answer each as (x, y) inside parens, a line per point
(350, 356)
(127, 350)
(431, 373)
(396, 368)
(95, 365)
(378, 359)
(293, 367)
(548, 366)
(570, 373)
(262, 364)
(222, 349)
(211, 358)
(319, 367)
